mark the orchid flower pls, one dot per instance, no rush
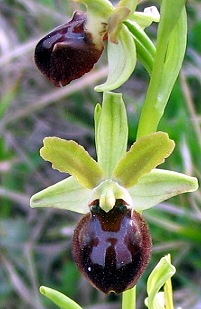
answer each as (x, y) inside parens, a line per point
(72, 49)
(119, 181)
(117, 174)
(112, 243)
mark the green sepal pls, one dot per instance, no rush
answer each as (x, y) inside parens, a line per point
(158, 186)
(111, 131)
(67, 194)
(70, 157)
(163, 271)
(144, 155)
(61, 300)
(98, 16)
(121, 61)
(99, 8)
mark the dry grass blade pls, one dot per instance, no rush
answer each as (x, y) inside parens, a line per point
(18, 284)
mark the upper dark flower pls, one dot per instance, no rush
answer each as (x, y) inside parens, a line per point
(68, 52)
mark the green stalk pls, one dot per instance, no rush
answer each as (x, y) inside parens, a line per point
(129, 299)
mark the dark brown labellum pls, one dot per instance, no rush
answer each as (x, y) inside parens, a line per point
(68, 52)
(112, 249)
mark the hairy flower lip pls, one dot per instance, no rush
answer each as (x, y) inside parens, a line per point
(69, 51)
(112, 250)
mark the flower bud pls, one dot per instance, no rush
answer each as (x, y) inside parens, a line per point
(69, 51)
(112, 249)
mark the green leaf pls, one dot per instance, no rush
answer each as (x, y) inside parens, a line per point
(69, 157)
(163, 271)
(121, 61)
(62, 301)
(160, 185)
(170, 49)
(111, 131)
(67, 194)
(143, 156)
(174, 58)
(170, 13)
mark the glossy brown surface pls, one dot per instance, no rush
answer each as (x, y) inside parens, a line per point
(112, 249)
(67, 52)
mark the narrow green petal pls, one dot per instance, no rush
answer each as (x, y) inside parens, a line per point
(145, 19)
(143, 156)
(67, 194)
(161, 273)
(121, 61)
(158, 186)
(144, 46)
(62, 301)
(69, 157)
(111, 131)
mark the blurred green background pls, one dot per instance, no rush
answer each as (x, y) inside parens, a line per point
(35, 244)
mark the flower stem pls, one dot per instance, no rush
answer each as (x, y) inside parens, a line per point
(129, 299)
